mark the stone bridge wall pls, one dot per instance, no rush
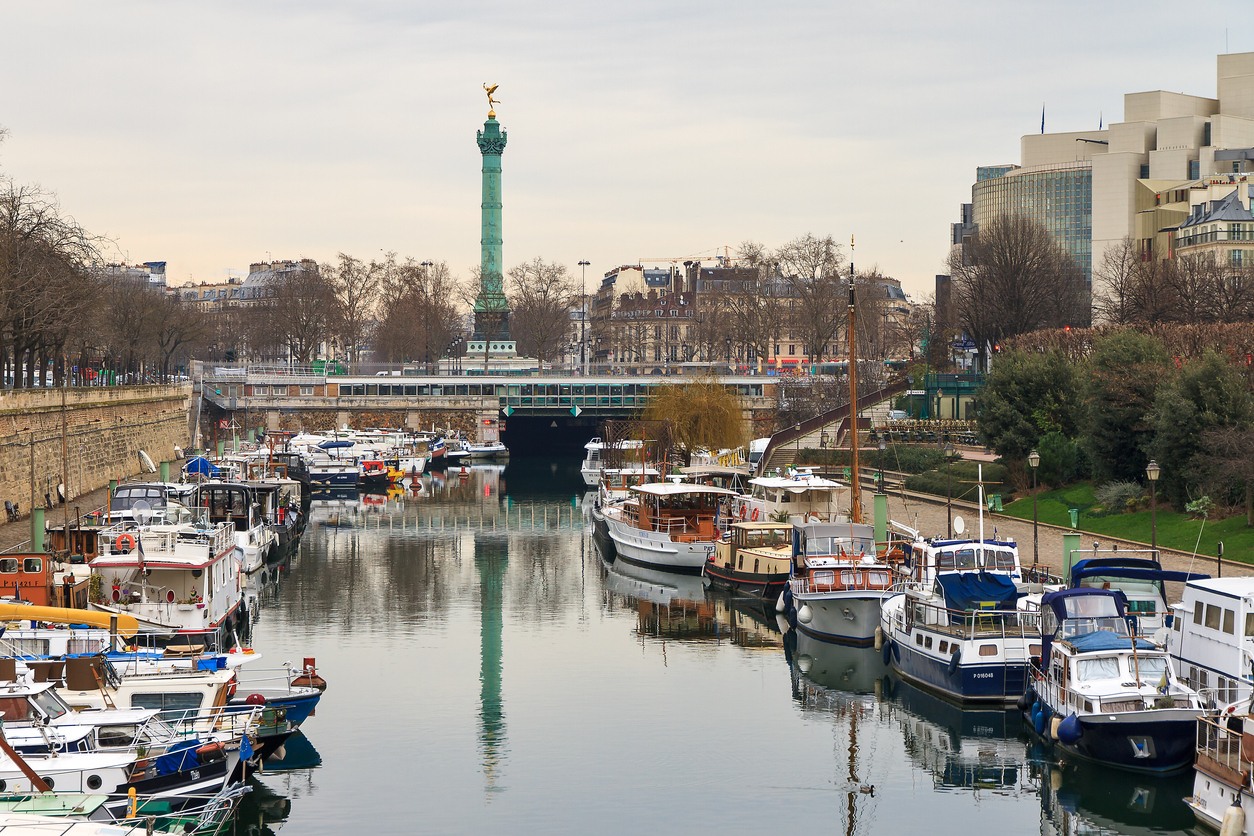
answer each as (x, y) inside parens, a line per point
(105, 430)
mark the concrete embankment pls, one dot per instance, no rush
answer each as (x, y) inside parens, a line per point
(105, 428)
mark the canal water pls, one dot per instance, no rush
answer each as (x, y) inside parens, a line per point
(489, 672)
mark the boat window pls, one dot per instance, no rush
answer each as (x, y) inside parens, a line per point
(170, 705)
(755, 564)
(988, 650)
(1103, 667)
(49, 703)
(1091, 606)
(945, 560)
(1000, 560)
(8, 565)
(964, 559)
(1212, 616)
(1143, 607)
(825, 577)
(1152, 668)
(14, 708)
(1197, 613)
(35, 564)
(878, 579)
(1249, 623)
(849, 577)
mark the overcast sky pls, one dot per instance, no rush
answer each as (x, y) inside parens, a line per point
(213, 135)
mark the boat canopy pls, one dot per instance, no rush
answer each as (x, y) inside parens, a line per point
(977, 590)
(673, 488)
(1132, 568)
(1107, 640)
(333, 445)
(203, 466)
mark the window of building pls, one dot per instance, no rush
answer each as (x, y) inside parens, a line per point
(261, 391)
(307, 390)
(792, 350)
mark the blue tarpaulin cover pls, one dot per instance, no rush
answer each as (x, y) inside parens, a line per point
(977, 591)
(203, 466)
(179, 757)
(334, 445)
(1106, 640)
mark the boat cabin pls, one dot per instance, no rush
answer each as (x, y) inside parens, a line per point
(799, 496)
(766, 546)
(231, 502)
(1142, 582)
(1211, 638)
(925, 559)
(157, 494)
(684, 512)
(29, 577)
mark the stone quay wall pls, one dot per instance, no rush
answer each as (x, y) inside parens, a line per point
(105, 428)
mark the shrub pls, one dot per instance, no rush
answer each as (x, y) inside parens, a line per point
(1117, 497)
(1201, 507)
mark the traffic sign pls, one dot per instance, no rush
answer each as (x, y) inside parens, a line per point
(509, 410)
(574, 410)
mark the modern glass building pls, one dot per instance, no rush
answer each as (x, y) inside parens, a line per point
(1059, 196)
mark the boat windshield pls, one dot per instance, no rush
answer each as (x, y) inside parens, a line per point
(50, 704)
(1072, 627)
(839, 545)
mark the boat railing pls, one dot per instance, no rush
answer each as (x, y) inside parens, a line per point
(970, 624)
(1221, 745)
(845, 578)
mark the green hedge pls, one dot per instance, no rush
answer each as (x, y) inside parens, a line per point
(903, 458)
(963, 476)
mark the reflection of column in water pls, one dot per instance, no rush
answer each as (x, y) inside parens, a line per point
(490, 563)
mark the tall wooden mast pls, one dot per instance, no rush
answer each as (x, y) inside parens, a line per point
(855, 488)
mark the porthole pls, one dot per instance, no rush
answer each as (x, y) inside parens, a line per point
(4, 785)
(93, 782)
(49, 782)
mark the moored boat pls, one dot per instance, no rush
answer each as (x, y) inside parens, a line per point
(752, 558)
(666, 525)
(837, 582)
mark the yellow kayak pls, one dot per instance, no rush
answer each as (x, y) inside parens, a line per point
(128, 625)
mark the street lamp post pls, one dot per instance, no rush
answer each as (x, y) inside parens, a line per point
(797, 455)
(1151, 471)
(949, 506)
(583, 315)
(1034, 459)
(883, 445)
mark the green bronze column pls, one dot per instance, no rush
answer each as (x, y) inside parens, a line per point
(491, 308)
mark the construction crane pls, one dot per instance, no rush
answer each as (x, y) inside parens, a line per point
(724, 260)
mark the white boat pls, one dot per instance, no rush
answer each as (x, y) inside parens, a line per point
(617, 482)
(1223, 776)
(797, 496)
(595, 459)
(485, 450)
(185, 579)
(667, 525)
(1100, 693)
(236, 503)
(1211, 640)
(837, 582)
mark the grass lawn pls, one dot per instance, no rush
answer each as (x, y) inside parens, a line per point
(1175, 530)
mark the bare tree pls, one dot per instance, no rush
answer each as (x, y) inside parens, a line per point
(1015, 279)
(755, 304)
(541, 296)
(812, 267)
(418, 311)
(298, 306)
(355, 287)
(1117, 284)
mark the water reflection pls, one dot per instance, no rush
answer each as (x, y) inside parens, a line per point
(416, 595)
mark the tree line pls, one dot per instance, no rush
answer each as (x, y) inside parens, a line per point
(1106, 412)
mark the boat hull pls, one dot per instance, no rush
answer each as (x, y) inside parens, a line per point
(759, 584)
(840, 618)
(656, 550)
(1158, 742)
(333, 478)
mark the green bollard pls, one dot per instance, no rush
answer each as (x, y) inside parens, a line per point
(113, 488)
(881, 518)
(165, 471)
(1070, 546)
(37, 530)
(221, 449)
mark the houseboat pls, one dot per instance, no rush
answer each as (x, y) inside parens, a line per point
(1211, 640)
(797, 496)
(667, 525)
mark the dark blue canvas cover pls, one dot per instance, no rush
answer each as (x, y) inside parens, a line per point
(1132, 568)
(202, 466)
(977, 590)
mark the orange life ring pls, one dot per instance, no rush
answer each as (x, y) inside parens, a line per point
(744, 511)
(755, 514)
(126, 542)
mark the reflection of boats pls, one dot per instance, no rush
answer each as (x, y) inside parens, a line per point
(653, 585)
(594, 461)
(749, 621)
(962, 749)
(297, 753)
(1111, 801)
(854, 669)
